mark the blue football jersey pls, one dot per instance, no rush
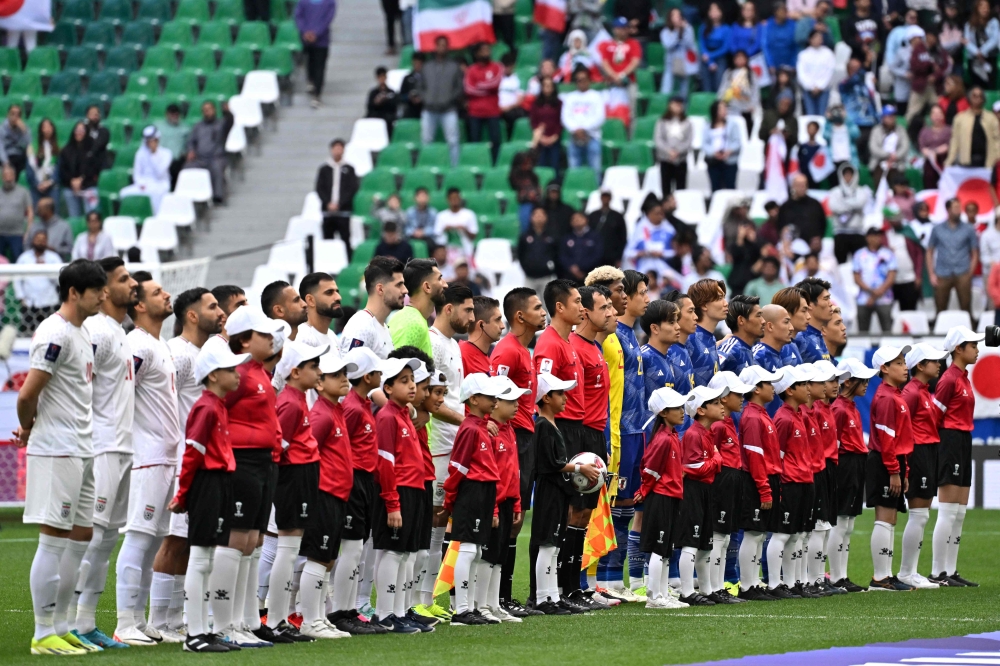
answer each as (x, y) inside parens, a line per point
(734, 355)
(811, 345)
(790, 354)
(680, 362)
(657, 373)
(769, 359)
(701, 347)
(634, 398)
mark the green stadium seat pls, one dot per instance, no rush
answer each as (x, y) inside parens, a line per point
(237, 60)
(10, 62)
(118, 128)
(644, 81)
(406, 57)
(199, 60)
(184, 84)
(121, 60)
(435, 156)
(44, 61)
(25, 86)
(153, 12)
(287, 36)
(64, 128)
(99, 34)
(522, 130)
(508, 151)
(438, 200)
(105, 84)
(216, 35)
(279, 11)
(116, 12)
(176, 35)
(643, 128)
(524, 8)
(82, 59)
(419, 177)
(506, 226)
(656, 104)
(613, 133)
(125, 158)
(349, 281)
(464, 178)
(699, 103)
(126, 107)
(138, 35)
(78, 11)
(497, 181)
(77, 225)
(255, 35)
(407, 132)
(229, 12)
(397, 157)
(220, 85)
(380, 180)
(578, 183)
(476, 155)
(137, 206)
(159, 61)
(111, 181)
(364, 252)
(52, 108)
(80, 104)
(65, 84)
(63, 35)
(529, 55)
(142, 85)
(192, 12)
(278, 59)
(481, 203)
(654, 58)
(419, 248)
(158, 108)
(636, 154)
(545, 176)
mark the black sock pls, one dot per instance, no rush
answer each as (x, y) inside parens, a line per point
(574, 552)
(532, 581)
(507, 571)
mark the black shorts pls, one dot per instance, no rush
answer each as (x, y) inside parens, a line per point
(923, 464)
(831, 491)
(693, 528)
(877, 483)
(472, 515)
(295, 497)
(424, 542)
(405, 539)
(495, 550)
(727, 491)
(752, 517)
(851, 483)
(526, 464)
(321, 541)
(581, 439)
(360, 507)
(795, 509)
(548, 518)
(821, 495)
(254, 483)
(775, 518)
(208, 500)
(955, 458)
(658, 518)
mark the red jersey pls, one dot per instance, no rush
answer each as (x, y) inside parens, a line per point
(425, 448)
(727, 441)
(892, 432)
(827, 429)
(557, 356)
(661, 465)
(482, 89)
(361, 430)
(954, 397)
(471, 458)
(698, 455)
(793, 437)
(298, 445)
(208, 442)
(473, 359)
(923, 412)
(513, 360)
(505, 453)
(619, 55)
(336, 464)
(848, 420)
(400, 462)
(761, 451)
(596, 381)
(253, 419)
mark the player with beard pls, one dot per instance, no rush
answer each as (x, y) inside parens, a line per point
(229, 297)
(158, 439)
(322, 299)
(279, 300)
(525, 315)
(425, 285)
(386, 294)
(485, 332)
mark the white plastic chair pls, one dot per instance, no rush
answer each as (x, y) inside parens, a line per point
(299, 227)
(494, 257)
(359, 156)
(895, 341)
(690, 206)
(804, 128)
(622, 180)
(288, 257)
(195, 184)
(264, 275)
(246, 111)
(651, 181)
(330, 256)
(158, 233)
(912, 323)
(697, 131)
(371, 133)
(757, 202)
(177, 209)
(594, 202)
(752, 158)
(312, 207)
(121, 228)
(236, 141)
(394, 78)
(261, 85)
(948, 319)
(985, 319)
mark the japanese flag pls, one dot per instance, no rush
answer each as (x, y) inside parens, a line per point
(967, 184)
(821, 165)
(761, 74)
(26, 15)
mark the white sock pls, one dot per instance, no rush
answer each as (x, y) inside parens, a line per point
(655, 571)
(402, 582)
(69, 570)
(159, 599)
(175, 611)
(836, 547)
(146, 583)
(240, 590)
(801, 556)
(281, 578)
(913, 540)
(410, 577)
(433, 566)
(951, 564)
(345, 575)
(90, 556)
(465, 576)
(311, 589)
(386, 582)
(881, 545)
(44, 582)
(816, 564)
(128, 571)
(369, 564)
(493, 595)
(93, 576)
(749, 565)
(686, 566)
(719, 544)
(776, 549)
(251, 606)
(300, 563)
(222, 585)
(420, 565)
(267, 555)
(703, 565)
(328, 592)
(196, 589)
(484, 571)
(547, 582)
(947, 513)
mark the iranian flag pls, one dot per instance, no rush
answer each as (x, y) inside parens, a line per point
(463, 22)
(26, 15)
(551, 14)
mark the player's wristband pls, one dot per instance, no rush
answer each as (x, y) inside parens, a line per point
(576, 468)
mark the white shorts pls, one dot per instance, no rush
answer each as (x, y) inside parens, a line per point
(440, 476)
(179, 525)
(112, 478)
(59, 492)
(152, 489)
(272, 525)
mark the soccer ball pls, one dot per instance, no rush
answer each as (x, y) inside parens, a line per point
(582, 483)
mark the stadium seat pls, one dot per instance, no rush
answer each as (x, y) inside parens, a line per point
(493, 256)
(529, 55)
(138, 35)
(43, 60)
(613, 133)
(507, 152)
(407, 131)
(99, 34)
(10, 62)
(654, 57)
(184, 84)
(371, 133)
(622, 180)
(158, 234)
(496, 180)
(464, 178)
(396, 157)
(644, 81)
(122, 231)
(216, 35)
(195, 184)
(63, 36)
(279, 10)
(636, 154)
(419, 177)
(288, 257)
(138, 206)
(434, 156)
(46, 107)
(121, 60)
(24, 86)
(229, 12)
(159, 61)
(381, 180)
(948, 319)
(481, 203)
(476, 155)
(577, 184)
(177, 209)
(192, 12)
(78, 11)
(124, 156)
(507, 227)
(287, 37)
(643, 128)
(78, 109)
(111, 181)
(522, 130)
(394, 78)
(175, 35)
(220, 85)
(142, 85)
(82, 59)
(699, 103)
(349, 281)
(545, 175)
(656, 104)
(690, 205)
(364, 252)
(301, 227)
(246, 111)
(105, 84)
(360, 158)
(254, 35)
(116, 12)
(153, 12)
(262, 85)
(199, 60)
(237, 60)
(330, 256)
(910, 323)
(277, 59)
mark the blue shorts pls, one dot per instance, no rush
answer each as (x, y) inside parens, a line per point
(632, 449)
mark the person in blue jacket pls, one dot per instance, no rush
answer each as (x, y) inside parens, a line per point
(745, 320)
(780, 48)
(810, 341)
(711, 306)
(714, 43)
(794, 301)
(745, 34)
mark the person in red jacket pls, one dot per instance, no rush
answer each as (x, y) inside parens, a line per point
(204, 488)
(661, 493)
(701, 461)
(824, 387)
(482, 93)
(886, 481)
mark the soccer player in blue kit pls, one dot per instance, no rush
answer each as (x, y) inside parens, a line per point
(661, 328)
(793, 300)
(778, 333)
(709, 298)
(745, 320)
(810, 341)
(677, 355)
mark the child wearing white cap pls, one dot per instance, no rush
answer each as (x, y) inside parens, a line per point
(956, 400)
(891, 441)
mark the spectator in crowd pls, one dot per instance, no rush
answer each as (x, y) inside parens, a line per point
(672, 139)
(546, 69)
(713, 44)
(15, 214)
(803, 211)
(841, 136)
(952, 256)
(546, 119)
(587, 15)
(899, 35)
(902, 240)
(783, 80)
(636, 13)
(989, 246)
(382, 102)
(313, 19)
(391, 211)
(899, 66)
(409, 89)
(814, 69)
(739, 90)
(609, 225)
(874, 269)
(768, 284)
(669, 203)
(538, 251)
(463, 277)
(173, 137)
(743, 254)
(459, 219)
(43, 163)
(503, 21)
(933, 142)
(781, 116)
(583, 118)
(511, 96)
(57, 231)
(952, 31)
(577, 54)
(38, 296)
(800, 8)
(888, 144)
(921, 223)
(808, 150)
(482, 93)
(15, 138)
(780, 49)
(207, 148)
(558, 211)
(580, 250)
(651, 242)
(736, 215)
(440, 90)
(745, 34)
(99, 135)
(818, 21)
(975, 135)
(525, 184)
(620, 57)
(393, 244)
(393, 15)
(971, 212)
(78, 171)
(336, 185)
(929, 65)
(150, 169)
(722, 143)
(421, 218)
(94, 243)
(861, 30)
(982, 43)
(769, 232)
(900, 193)
(679, 46)
(704, 268)
(954, 100)
(859, 104)
(847, 206)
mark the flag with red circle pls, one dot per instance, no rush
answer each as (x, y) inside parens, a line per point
(26, 15)
(821, 165)
(968, 184)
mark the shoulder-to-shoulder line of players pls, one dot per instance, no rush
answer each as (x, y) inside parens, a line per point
(268, 476)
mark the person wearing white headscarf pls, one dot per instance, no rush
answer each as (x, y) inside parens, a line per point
(151, 169)
(577, 53)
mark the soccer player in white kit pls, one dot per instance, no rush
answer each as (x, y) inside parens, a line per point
(114, 401)
(157, 439)
(322, 298)
(55, 414)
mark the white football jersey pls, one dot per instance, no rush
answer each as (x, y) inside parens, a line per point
(364, 330)
(64, 420)
(308, 335)
(184, 353)
(447, 359)
(158, 433)
(114, 385)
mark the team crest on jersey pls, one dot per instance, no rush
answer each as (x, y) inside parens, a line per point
(338, 432)
(482, 446)
(355, 343)
(65, 509)
(148, 512)
(137, 362)
(406, 432)
(503, 370)
(52, 352)
(368, 427)
(546, 365)
(101, 504)
(260, 389)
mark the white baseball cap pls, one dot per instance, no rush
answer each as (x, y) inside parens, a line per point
(365, 362)
(421, 373)
(391, 367)
(284, 333)
(885, 355)
(513, 391)
(851, 368)
(699, 395)
(923, 352)
(332, 363)
(663, 398)
(755, 374)
(729, 380)
(480, 383)
(959, 335)
(792, 374)
(295, 354)
(809, 373)
(438, 378)
(215, 354)
(246, 318)
(549, 382)
(825, 369)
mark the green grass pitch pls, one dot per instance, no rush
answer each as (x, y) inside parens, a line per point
(628, 635)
